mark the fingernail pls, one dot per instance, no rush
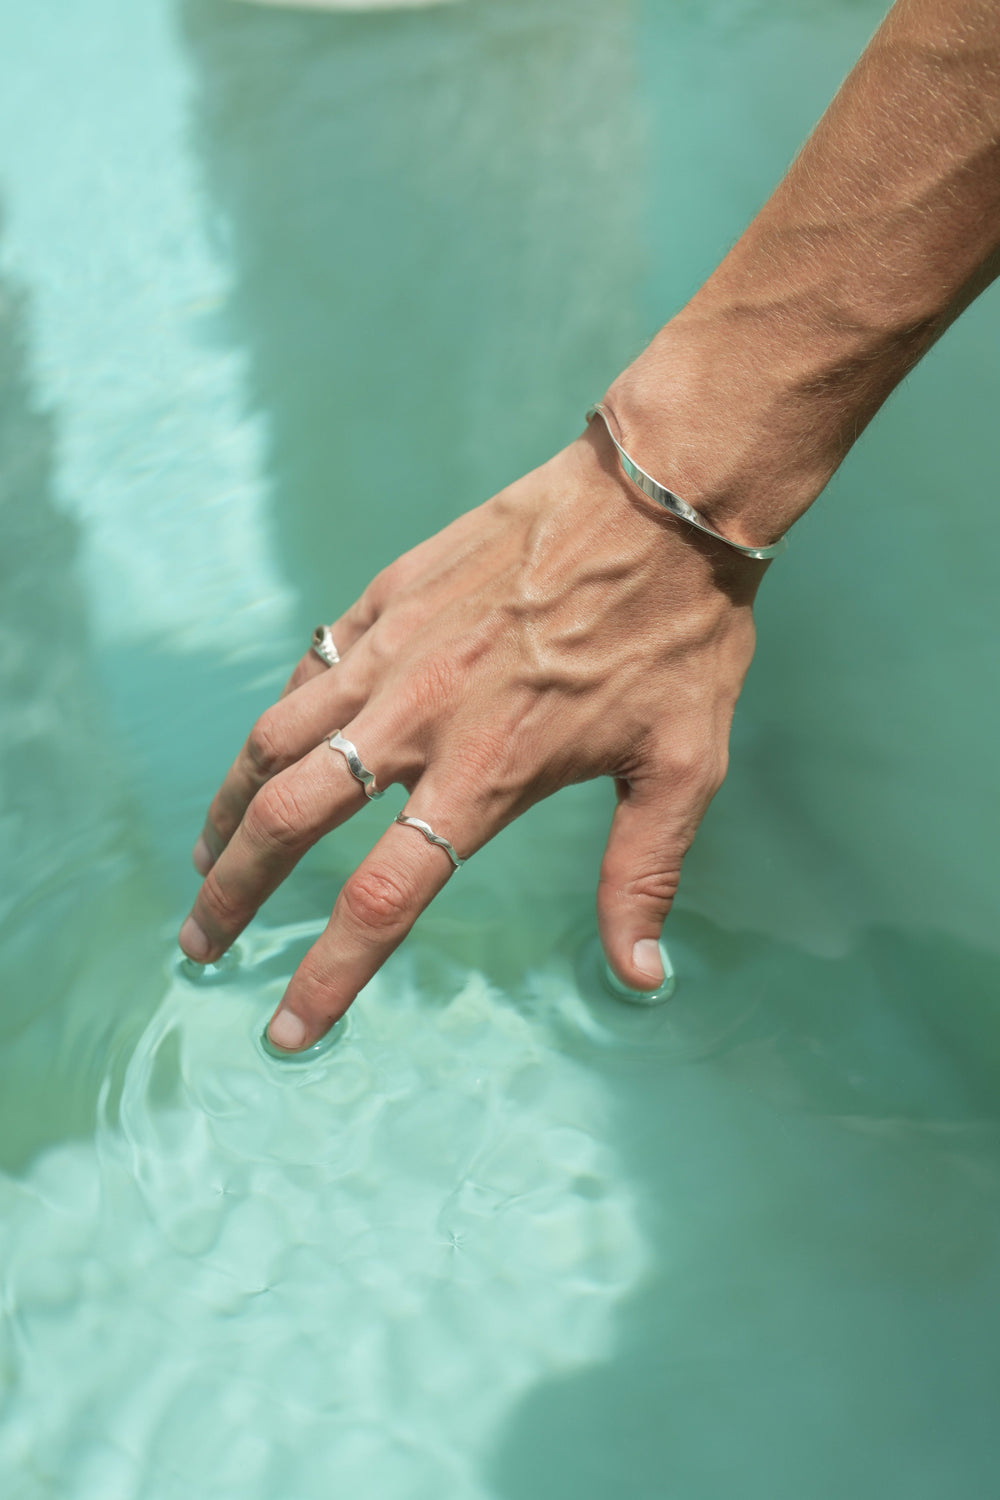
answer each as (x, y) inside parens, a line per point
(194, 942)
(201, 856)
(287, 1030)
(646, 956)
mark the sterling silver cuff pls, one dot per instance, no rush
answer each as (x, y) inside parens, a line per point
(673, 503)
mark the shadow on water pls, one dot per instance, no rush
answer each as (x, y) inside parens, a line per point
(66, 853)
(428, 241)
(815, 1146)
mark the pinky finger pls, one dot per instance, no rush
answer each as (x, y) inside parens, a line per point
(346, 632)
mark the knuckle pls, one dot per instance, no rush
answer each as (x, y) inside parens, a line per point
(387, 581)
(652, 892)
(385, 640)
(716, 772)
(486, 761)
(376, 900)
(684, 765)
(656, 888)
(275, 817)
(265, 752)
(435, 683)
(485, 753)
(694, 769)
(369, 604)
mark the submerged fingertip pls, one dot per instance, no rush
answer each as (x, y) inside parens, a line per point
(642, 987)
(194, 941)
(287, 1030)
(646, 958)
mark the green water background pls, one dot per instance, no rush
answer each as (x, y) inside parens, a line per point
(745, 1246)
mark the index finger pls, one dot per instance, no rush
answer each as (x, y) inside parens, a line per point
(377, 906)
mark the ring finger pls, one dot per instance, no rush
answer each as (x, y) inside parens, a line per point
(279, 738)
(289, 814)
(282, 736)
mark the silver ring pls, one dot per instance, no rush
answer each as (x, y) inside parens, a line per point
(431, 837)
(323, 645)
(358, 770)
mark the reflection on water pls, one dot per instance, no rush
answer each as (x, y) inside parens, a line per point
(335, 1238)
(434, 224)
(65, 823)
(157, 456)
(440, 1240)
(505, 1237)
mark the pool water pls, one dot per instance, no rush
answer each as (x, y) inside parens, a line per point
(507, 1237)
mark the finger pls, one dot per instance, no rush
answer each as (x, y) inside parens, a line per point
(289, 814)
(306, 668)
(278, 739)
(346, 632)
(651, 830)
(375, 910)
(283, 735)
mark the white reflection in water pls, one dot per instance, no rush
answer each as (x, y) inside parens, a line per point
(260, 1276)
(157, 456)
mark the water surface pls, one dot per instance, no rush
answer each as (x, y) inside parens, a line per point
(508, 1237)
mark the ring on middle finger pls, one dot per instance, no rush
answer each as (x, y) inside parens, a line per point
(355, 765)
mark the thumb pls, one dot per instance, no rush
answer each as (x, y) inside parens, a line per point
(640, 873)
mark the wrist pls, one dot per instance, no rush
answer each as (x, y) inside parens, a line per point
(719, 428)
(745, 405)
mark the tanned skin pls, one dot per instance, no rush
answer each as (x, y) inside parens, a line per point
(569, 628)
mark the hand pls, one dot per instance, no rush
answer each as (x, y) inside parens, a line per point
(564, 630)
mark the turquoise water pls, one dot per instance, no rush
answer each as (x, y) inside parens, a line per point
(509, 1238)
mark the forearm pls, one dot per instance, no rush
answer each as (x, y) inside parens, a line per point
(885, 227)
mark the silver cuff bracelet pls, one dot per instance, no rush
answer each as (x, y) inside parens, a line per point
(673, 503)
